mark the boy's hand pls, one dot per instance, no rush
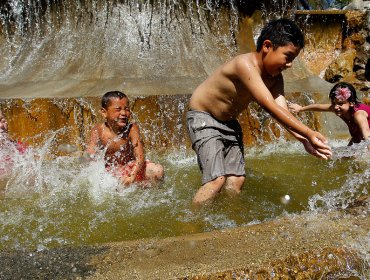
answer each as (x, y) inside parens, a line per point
(312, 151)
(295, 108)
(128, 180)
(317, 145)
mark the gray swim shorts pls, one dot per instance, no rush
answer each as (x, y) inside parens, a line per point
(218, 145)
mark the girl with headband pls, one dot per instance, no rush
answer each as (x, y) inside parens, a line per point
(345, 105)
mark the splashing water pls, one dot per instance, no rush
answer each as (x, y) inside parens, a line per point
(356, 183)
(49, 202)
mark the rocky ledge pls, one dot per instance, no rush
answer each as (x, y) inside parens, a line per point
(305, 246)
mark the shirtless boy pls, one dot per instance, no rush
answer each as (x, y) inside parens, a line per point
(216, 103)
(120, 139)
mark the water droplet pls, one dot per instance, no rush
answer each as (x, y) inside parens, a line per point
(67, 148)
(285, 199)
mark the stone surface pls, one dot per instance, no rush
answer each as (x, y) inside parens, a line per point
(342, 67)
(306, 246)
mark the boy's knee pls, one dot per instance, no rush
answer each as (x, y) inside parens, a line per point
(209, 190)
(155, 171)
(218, 182)
(235, 183)
(159, 171)
(240, 180)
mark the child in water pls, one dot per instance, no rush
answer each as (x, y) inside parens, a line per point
(5, 138)
(345, 105)
(120, 139)
(8, 147)
(216, 104)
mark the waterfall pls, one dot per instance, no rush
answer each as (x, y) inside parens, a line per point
(72, 45)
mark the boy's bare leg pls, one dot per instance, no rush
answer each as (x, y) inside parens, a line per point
(154, 172)
(234, 184)
(209, 190)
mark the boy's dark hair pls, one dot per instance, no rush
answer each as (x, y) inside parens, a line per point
(352, 98)
(105, 101)
(281, 32)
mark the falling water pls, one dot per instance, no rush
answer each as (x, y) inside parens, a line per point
(133, 45)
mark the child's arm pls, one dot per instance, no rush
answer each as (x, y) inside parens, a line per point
(312, 107)
(306, 144)
(94, 140)
(361, 121)
(137, 144)
(253, 82)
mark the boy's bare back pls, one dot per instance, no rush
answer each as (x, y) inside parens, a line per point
(227, 92)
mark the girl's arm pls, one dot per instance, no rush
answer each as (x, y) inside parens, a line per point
(361, 121)
(312, 107)
(306, 143)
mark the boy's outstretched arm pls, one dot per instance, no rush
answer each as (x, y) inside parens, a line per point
(253, 82)
(280, 100)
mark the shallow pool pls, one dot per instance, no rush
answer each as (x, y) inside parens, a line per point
(63, 201)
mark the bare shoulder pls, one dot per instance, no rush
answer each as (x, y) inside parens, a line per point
(100, 131)
(244, 60)
(98, 128)
(246, 65)
(361, 114)
(134, 129)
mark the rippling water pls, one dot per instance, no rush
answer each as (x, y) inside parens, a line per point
(51, 201)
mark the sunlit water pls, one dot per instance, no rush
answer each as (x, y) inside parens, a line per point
(52, 201)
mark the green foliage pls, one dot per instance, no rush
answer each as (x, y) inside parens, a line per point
(343, 3)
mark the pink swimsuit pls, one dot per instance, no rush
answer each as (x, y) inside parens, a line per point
(354, 130)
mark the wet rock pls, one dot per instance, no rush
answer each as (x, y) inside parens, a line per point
(367, 70)
(356, 19)
(359, 206)
(342, 67)
(353, 41)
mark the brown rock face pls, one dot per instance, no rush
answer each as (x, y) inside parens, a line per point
(342, 67)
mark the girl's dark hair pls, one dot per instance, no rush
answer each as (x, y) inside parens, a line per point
(105, 101)
(352, 98)
(281, 32)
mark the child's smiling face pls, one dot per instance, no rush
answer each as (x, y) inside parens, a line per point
(118, 112)
(340, 107)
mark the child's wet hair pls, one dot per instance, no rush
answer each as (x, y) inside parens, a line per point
(351, 99)
(281, 32)
(105, 101)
